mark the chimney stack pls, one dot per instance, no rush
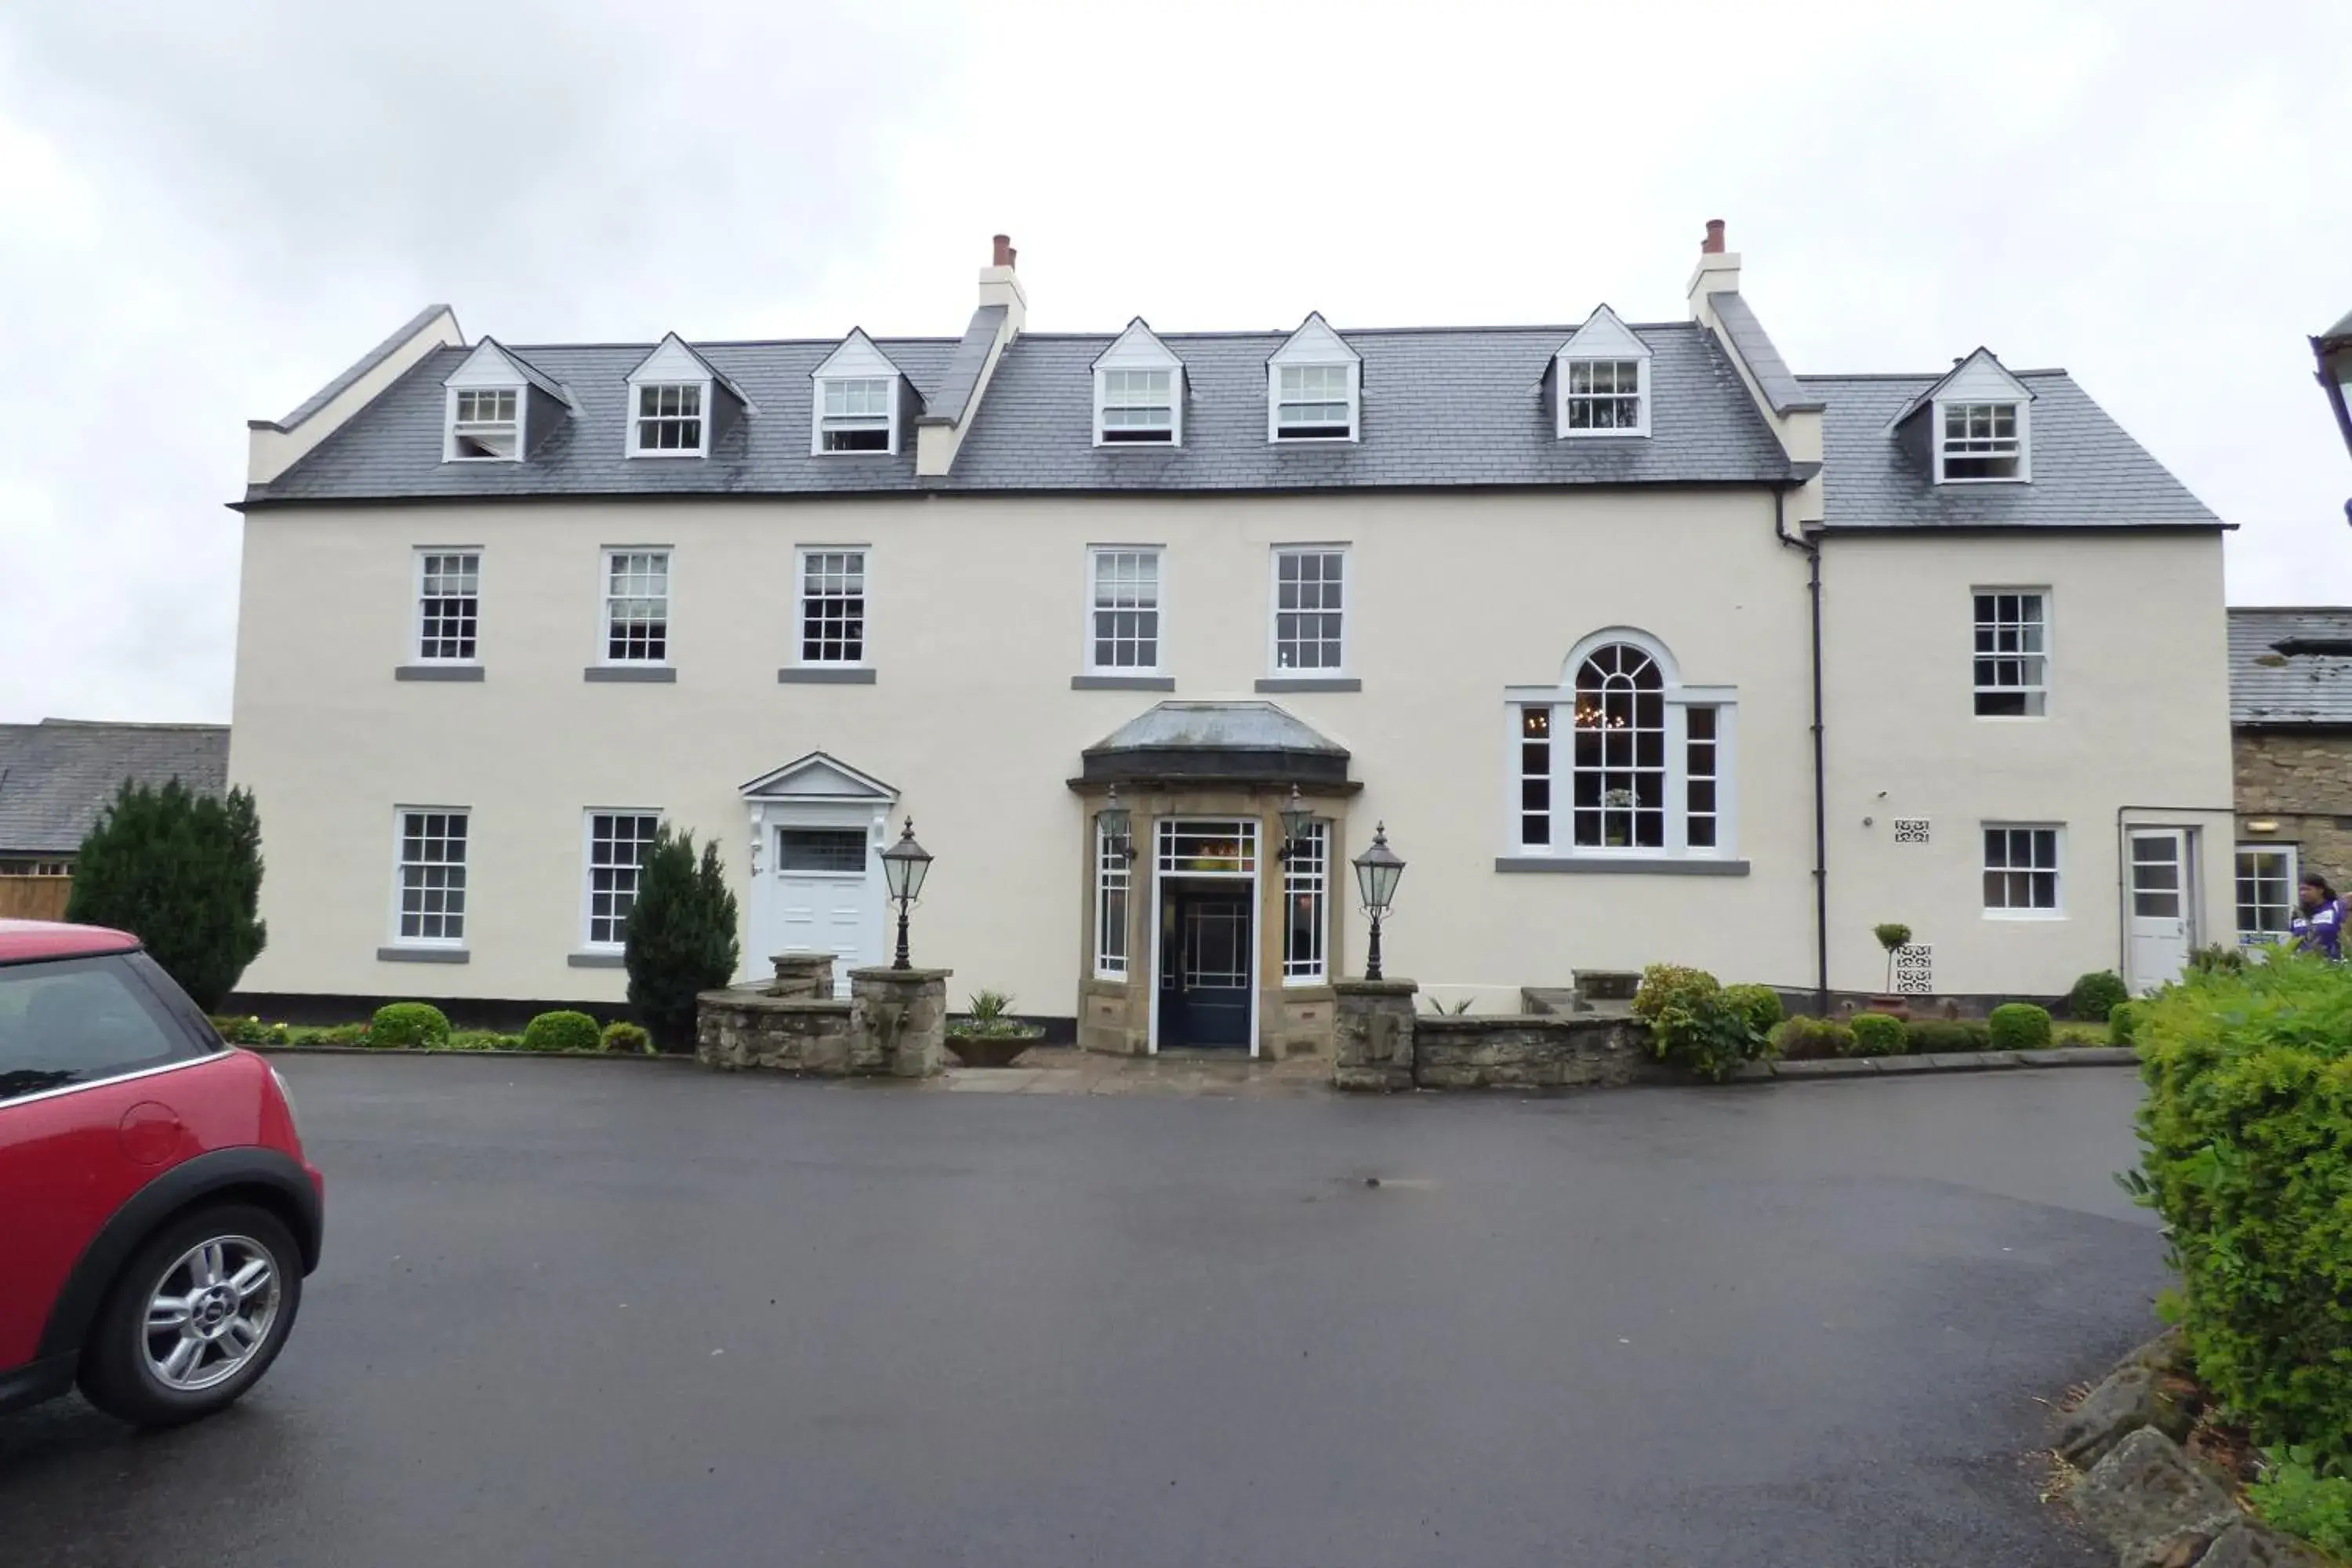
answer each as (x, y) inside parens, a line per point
(1005, 253)
(1711, 245)
(1718, 272)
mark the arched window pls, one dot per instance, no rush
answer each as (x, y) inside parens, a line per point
(1620, 760)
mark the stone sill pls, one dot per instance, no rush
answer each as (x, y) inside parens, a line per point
(655, 674)
(437, 672)
(1122, 683)
(825, 675)
(1309, 683)
(596, 959)
(1621, 864)
(423, 955)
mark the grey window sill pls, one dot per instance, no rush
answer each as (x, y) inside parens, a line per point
(596, 959)
(628, 672)
(1122, 683)
(825, 675)
(423, 955)
(436, 672)
(1621, 864)
(1309, 683)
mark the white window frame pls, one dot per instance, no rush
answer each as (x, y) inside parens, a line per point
(2042, 692)
(702, 391)
(605, 599)
(2291, 853)
(1274, 611)
(1679, 698)
(1274, 402)
(400, 816)
(2057, 831)
(1094, 555)
(1174, 428)
(1114, 873)
(451, 428)
(588, 943)
(2022, 441)
(1640, 363)
(801, 558)
(1314, 882)
(417, 640)
(820, 423)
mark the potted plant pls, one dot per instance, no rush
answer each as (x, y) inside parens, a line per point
(1617, 812)
(1891, 936)
(988, 1034)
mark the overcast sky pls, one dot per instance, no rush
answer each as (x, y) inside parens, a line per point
(207, 210)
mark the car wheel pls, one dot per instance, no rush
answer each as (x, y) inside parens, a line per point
(195, 1319)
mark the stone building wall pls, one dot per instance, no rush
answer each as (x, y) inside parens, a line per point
(2300, 778)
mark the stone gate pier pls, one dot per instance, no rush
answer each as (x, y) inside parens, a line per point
(893, 1023)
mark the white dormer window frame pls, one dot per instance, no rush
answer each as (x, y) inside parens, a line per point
(1600, 381)
(1974, 432)
(484, 417)
(669, 419)
(1313, 374)
(1139, 391)
(857, 394)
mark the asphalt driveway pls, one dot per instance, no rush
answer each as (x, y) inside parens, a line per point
(586, 1313)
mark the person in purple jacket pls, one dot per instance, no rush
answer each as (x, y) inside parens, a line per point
(2318, 924)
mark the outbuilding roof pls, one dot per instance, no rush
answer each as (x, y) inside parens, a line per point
(2291, 665)
(56, 777)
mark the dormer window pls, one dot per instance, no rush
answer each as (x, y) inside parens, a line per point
(1981, 441)
(1599, 380)
(1315, 386)
(1139, 405)
(669, 420)
(857, 415)
(485, 423)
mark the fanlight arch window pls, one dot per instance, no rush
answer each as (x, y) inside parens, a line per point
(1621, 759)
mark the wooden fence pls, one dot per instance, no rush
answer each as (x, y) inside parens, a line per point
(33, 897)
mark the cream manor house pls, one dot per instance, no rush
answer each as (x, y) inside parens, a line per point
(1643, 647)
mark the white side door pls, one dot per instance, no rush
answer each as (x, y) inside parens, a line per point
(2157, 916)
(825, 880)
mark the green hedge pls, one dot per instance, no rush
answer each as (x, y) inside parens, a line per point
(1877, 1034)
(1693, 1025)
(1759, 1004)
(629, 1040)
(2123, 1025)
(2020, 1026)
(1943, 1035)
(564, 1031)
(1806, 1038)
(2096, 996)
(2247, 1129)
(409, 1023)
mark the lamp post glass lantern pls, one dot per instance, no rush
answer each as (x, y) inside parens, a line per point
(1377, 870)
(1297, 817)
(1114, 820)
(904, 865)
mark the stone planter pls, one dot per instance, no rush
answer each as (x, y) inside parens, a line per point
(992, 1050)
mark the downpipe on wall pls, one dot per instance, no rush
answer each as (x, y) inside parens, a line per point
(1812, 549)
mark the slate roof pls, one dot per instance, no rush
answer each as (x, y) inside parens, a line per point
(2278, 676)
(1442, 407)
(56, 776)
(1764, 361)
(1216, 726)
(365, 362)
(2087, 473)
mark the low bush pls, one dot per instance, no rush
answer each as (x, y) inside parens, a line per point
(409, 1023)
(246, 1031)
(2020, 1026)
(340, 1035)
(1759, 1004)
(627, 1039)
(2096, 996)
(1877, 1034)
(1943, 1035)
(484, 1040)
(1693, 1025)
(2292, 1496)
(562, 1031)
(2217, 959)
(2244, 1131)
(1804, 1038)
(2123, 1024)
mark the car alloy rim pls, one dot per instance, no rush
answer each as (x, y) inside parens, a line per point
(210, 1312)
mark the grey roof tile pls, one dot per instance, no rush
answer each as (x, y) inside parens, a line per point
(1442, 408)
(2282, 668)
(366, 363)
(2087, 472)
(963, 367)
(58, 776)
(1764, 361)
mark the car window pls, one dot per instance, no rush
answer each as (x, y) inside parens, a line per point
(77, 1020)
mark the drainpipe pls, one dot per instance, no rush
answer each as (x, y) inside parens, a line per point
(1812, 552)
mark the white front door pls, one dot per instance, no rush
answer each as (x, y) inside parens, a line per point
(2158, 914)
(824, 895)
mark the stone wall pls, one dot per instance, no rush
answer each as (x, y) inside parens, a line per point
(2302, 779)
(1373, 1034)
(892, 1024)
(1382, 1044)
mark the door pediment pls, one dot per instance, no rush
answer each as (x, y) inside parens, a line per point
(818, 777)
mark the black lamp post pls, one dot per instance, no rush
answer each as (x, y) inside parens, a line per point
(1297, 817)
(904, 865)
(1114, 819)
(2333, 351)
(1377, 870)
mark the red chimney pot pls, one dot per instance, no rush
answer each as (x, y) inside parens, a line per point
(1005, 253)
(1712, 244)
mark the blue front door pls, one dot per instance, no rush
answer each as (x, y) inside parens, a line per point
(1204, 967)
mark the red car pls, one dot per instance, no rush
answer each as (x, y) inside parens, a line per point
(157, 1216)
